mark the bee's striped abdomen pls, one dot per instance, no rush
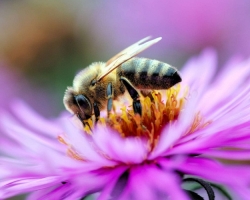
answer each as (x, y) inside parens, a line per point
(145, 73)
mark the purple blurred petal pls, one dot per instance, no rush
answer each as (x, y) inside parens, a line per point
(47, 127)
(228, 81)
(14, 186)
(134, 150)
(84, 144)
(230, 155)
(107, 191)
(199, 72)
(148, 182)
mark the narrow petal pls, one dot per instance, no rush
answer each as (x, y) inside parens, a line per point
(148, 182)
(198, 72)
(127, 150)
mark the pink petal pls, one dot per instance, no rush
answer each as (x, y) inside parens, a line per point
(127, 150)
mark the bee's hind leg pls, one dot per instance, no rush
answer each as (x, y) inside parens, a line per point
(134, 95)
(110, 98)
(96, 112)
(148, 93)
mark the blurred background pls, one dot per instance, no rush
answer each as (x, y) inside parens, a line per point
(43, 44)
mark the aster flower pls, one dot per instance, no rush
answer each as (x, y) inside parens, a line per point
(194, 131)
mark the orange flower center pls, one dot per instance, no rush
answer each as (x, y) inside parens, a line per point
(156, 113)
(158, 109)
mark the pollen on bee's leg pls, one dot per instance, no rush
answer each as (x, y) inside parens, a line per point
(88, 125)
(114, 108)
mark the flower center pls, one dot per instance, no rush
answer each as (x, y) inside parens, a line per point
(155, 115)
(158, 109)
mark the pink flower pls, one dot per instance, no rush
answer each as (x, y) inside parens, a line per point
(205, 130)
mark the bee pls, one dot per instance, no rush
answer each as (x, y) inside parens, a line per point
(95, 87)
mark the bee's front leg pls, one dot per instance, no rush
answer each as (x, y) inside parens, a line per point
(96, 112)
(134, 95)
(110, 97)
(84, 122)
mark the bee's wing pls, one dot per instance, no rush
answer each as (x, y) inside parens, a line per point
(126, 54)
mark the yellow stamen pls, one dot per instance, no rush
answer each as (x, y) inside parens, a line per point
(155, 115)
(157, 112)
(71, 153)
(61, 140)
(198, 123)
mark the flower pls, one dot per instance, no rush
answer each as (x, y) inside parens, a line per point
(195, 132)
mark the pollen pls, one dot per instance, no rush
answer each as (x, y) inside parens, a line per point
(73, 154)
(158, 109)
(70, 151)
(198, 123)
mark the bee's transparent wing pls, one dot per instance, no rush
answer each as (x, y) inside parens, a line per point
(128, 49)
(126, 54)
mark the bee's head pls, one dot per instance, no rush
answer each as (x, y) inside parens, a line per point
(77, 104)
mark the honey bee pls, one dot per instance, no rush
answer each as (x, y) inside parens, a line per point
(95, 87)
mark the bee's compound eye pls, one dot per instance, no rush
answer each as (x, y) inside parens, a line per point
(83, 102)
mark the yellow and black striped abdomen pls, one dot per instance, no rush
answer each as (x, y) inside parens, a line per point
(146, 73)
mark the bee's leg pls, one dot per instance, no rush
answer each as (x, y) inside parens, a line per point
(109, 96)
(134, 95)
(83, 122)
(96, 112)
(148, 93)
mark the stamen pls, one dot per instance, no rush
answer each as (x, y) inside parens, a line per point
(158, 110)
(155, 115)
(71, 153)
(198, 123)
(61, 140)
